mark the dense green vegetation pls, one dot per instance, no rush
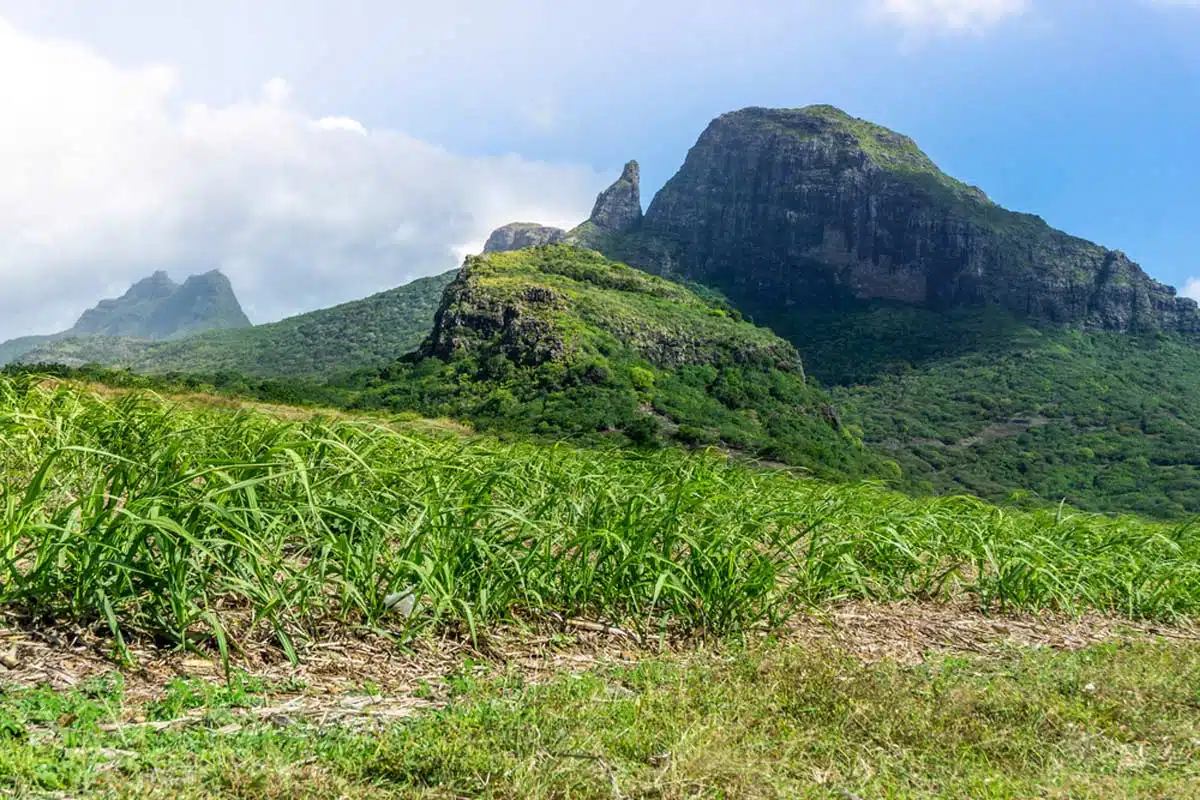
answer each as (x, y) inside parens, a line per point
(794, 721)
(561, 341)
(985, 403)
(146, 518)
(324, 343)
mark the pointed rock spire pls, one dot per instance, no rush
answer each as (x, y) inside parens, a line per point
(619, 207)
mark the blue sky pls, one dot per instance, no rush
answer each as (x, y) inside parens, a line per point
(318, 151)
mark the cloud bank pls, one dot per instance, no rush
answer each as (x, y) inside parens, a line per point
(109, 175)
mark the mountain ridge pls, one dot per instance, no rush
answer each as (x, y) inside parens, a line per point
(155, 308)
(361, 333)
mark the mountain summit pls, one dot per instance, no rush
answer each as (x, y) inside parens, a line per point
(519, 235)
(617, 212)
(618, 208)
(155, 308)
(791, 208)
(158, 308)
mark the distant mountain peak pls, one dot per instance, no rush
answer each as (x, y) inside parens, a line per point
(157, 307)
(157, 285)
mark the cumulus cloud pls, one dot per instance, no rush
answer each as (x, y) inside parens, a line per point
(1191, 288)
(950, 15)
(108, 174)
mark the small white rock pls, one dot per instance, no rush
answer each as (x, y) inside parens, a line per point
(403, 603)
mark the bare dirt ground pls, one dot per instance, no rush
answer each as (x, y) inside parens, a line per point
(366, 679)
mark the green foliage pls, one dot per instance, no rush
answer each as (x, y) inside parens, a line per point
(363, 333)
(985, 403)
(140, 517)
(634, 354)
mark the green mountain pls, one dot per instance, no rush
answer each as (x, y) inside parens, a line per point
(789, 211)
(557, 340)
(154, 309)
(981, 349)
(363, 333)
(987, 402)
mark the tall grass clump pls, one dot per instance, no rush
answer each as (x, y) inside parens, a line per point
(150, 518)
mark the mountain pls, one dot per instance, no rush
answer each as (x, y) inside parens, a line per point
(155, 308)
(158, 308)
(558, 340)
(787, 210)
(980, 349)
(616, 216)
(1006, 408)
(364, 333)
(519, 235)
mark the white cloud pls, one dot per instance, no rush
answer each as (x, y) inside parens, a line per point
(1191, 288)
(108, 175)
(341, 124)
(950, 15)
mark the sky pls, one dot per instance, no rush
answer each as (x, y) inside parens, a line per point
(319, 151)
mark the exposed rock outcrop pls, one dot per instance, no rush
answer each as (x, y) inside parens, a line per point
(519, 235)
(787, 209)
(501, 304)
(473, 317)
(618, 208)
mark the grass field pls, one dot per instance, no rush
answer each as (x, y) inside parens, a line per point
(210, 525)
(774, 721)
(145, 522)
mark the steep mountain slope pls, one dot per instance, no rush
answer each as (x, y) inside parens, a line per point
(363, 333)
(980, 348)
(789, 210)
(155, 308)
(1103, 420)
(560, 340)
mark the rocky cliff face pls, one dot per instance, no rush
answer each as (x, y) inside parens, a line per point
(473, 318)
(531, 307)
(618, 208)
(787, 209)
(519, 235)
(616, 217)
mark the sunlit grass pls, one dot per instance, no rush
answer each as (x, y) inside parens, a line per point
(211, 525)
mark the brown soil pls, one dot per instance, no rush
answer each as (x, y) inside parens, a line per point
(362, 678)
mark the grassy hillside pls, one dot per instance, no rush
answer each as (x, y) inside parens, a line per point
(13, 349)
(363, 333)
(986, 403)
(561, 341)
